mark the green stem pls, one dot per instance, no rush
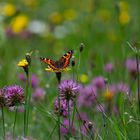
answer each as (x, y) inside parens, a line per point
(73, 114)
(52, 132)
(3, 122)
(69, 117)
(29, 98)
(15, 123)
(138, 86)
(59, 134)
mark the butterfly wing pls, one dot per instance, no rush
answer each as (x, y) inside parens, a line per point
(65, 59)
(50, 62)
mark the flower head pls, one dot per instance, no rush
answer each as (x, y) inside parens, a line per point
(109, 67)
(14, 95)
(2, 98)
(99, 82)
(108, 95)
(23, 63)
(39, 94)
(131, 66)
(65, 127)
(87, 96)
(68, 89)
(63, 107)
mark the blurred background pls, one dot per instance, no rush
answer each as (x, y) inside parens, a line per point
(50, 28)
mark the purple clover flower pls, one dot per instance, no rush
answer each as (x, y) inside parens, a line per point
(63, 107)
(122, 87)
(68, 89)
(109, 67)
(39, 94)
(87, 96)
(35, 80)
(65, 127)
(99, 82)
(131, 66)
(14, 95)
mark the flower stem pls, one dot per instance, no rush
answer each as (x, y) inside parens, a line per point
(15, 123)
(3, 122)
(138, 86)
(69, 116)
(59, 134)
(73, 114)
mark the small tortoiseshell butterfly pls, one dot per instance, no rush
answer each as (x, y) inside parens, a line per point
(59, 65)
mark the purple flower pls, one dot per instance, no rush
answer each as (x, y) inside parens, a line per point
(131, 66)
(122, 87)
(35, 80)
(65, 127)
(99, 82)
(39, 94)
(14, 95)
(87, 96)
(109, 67)
(2, 98)
(63, 107)
(68, 89)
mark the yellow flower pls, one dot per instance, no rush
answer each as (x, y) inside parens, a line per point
(123, 5)
(124, 17)
(9, 9)
(60, 70)
(56, 18)
(84, 78)
(108, 95)
(19, 23)
(69, 14)
(23, 63)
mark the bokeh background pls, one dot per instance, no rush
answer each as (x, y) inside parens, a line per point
(50, 28)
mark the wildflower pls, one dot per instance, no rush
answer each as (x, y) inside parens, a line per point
(56, 18)
(63, 107)
(69, 14)
(2, 98)
(14, 95)
(19, 23)
(99, 82)
(131, 66)
(23, 63)
(39, 94)
(34, 79)
(124, 17)
(65, 127)
(109, 67)
(84, 78)
(87, 96)
(100, 108)
(68, 89)
(122, 87)
(9, 9)
(108, 95)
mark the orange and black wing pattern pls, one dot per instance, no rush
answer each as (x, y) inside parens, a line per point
(65, 59)
(50, 62)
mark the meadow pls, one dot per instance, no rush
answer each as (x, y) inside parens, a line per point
(69, 70)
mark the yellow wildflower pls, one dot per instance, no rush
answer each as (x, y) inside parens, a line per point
(84, 78)
(56, 18)
(124, 17)
(123, 5)
(19, 23)
(9, 9)
(69, 14)
(23, 63)
(108, 95)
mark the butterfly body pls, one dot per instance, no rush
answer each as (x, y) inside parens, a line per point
(61, 64)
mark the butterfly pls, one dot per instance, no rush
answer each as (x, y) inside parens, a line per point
(59, 65)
